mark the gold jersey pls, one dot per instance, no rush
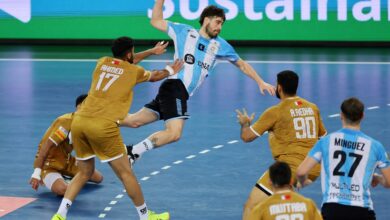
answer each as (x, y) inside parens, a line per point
(286, 205)
(58, 133)
(111, 92)
(294, 126)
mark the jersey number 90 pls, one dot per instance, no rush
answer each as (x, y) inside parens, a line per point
(305, 127)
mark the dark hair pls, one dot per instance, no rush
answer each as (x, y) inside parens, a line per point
(280, 174)
(121, 46)
(289, 81)
(211, 11)
(352, 109)
(80, 99)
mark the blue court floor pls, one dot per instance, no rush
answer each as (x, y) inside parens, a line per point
(209, 173)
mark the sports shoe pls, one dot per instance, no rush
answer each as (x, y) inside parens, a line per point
(154, 216)
(57, 217)
(132, 157)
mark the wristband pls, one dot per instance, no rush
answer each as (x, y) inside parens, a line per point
(37, 173)
(170, 70)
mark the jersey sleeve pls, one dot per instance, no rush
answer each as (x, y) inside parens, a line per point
(265, 122)
(321, 127)
(382, 157)
(142, 75)
(175, 29)
(59, 132)
(257, 212)
(228, 53)
(316, 151)
(316, 215)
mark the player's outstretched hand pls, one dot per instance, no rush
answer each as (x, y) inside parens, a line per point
(267, 87)
(176, 65)
(299, 185)
(243, 117)
(160, 48)
(35, 183)
(376, 179)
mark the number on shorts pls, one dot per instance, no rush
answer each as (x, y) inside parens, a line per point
(305, 127)
(295, 216)
(109, 83)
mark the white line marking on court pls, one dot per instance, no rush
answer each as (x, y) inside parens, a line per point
(166, 167)
(334, 116)
(145, 178)
(113, 202)
(232, 142)
(154, 173)
(218, 146)
(388, 104)
(107, 209)
(119, 196)
(204, 151)
(191, 156)
(178, 162)
(168, 60)
(102, 215)
(372, 107)
(124, 191)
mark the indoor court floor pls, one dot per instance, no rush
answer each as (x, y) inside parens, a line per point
(209, 173)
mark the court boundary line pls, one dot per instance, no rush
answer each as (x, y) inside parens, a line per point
(168, 60)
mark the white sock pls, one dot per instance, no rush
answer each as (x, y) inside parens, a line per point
(64, 207)
(142, 212)
(142, 147)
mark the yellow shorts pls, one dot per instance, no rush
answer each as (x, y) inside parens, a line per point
(63, 166)
(96, 137)
(264, 182)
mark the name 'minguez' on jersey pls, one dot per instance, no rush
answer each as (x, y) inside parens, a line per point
(348, 161)
(199, 54)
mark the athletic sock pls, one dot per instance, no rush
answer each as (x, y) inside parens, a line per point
(142, 147)
(142, 212)
(64, 207)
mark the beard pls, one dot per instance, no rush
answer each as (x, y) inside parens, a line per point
(210, 32)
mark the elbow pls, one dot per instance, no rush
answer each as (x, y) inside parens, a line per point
(154, 22)
(246, 139)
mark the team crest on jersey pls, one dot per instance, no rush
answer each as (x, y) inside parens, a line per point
(298, 103)
(286, 197)
(189, 58)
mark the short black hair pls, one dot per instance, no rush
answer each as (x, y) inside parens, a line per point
(121, 46)
(80, 99)
(211, 11)
(289, 80)
(353, 109)
(280, 174)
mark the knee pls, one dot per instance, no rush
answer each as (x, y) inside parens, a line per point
(98, 179)
(175, 136)
(60, 190)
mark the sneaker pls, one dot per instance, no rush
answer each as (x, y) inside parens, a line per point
(132, 157)
(154, 216)
(57, 217)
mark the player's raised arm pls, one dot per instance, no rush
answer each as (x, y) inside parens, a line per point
(157, 20)
(249, 71)
(159, 48)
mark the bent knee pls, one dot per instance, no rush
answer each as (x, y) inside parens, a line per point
(98, 179)
(60, 190)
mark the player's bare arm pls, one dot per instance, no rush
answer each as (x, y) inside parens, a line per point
(157, 20)
(383, 179)
(245, 121)
(158, 49)
(169, 70)
(249, 71)
(35, 180)
(303, 170)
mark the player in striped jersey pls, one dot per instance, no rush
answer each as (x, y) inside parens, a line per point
(200, 50)
(349, 159)
(284, 203)
(53, 158)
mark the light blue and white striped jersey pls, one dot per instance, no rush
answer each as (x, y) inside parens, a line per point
(348, 159)
(199, 54)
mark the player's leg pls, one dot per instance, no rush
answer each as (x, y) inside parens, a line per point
(259, 193)
(142, 117)
(72, 169)
(55, 183)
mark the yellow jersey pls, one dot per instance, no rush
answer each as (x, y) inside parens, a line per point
(294, 126)
(286, 205)
(111, 92)
(58, 133)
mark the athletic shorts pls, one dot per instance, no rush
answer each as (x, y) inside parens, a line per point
(54, 168)
(171, 100)
(264, 182)
(335, 211)
(96, 137)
